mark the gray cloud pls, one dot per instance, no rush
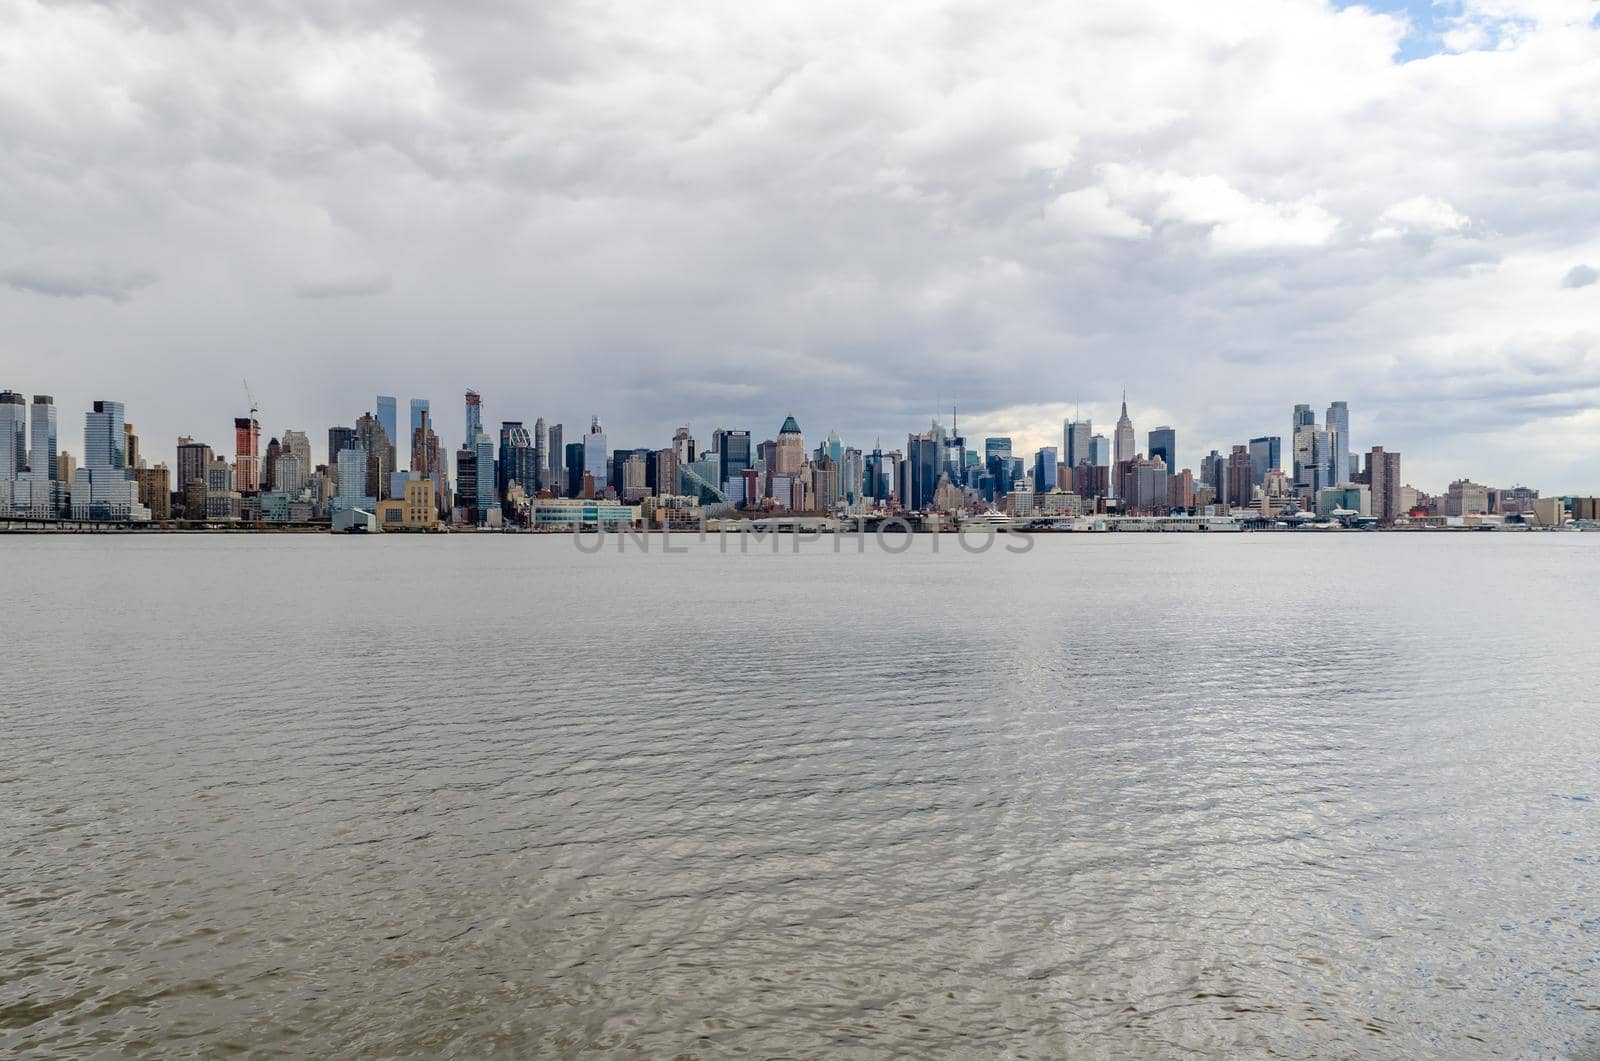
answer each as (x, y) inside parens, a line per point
(345, 287)
(722, 214)
(97, 282)
(1580, 276)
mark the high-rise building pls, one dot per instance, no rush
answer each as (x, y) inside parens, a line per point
(996, 447)
(733, 455)
(594, 456)
(791, 452)
(517, 463)
(1164, 444)
(246, 454)
(1044, 470)
(380, 456)
(1338, 426)
(269, 471)
(13, 435)
(1238, 489)
(483, 450)
(573, 468)
(474, 418)
(339, 440)
(130, 448)
(467, 482)
(1383, 478)
(683, 446)
(42, 446)
(666, 471)
(193, 460)
(155, 490)
(66, 469)
(298, 444)
(1124, 445)
(541, 459)
(419, 414)
(391, 427)
(1100, 451)
(1075, 438)
(105, 489)
(557, 479)
(353, 462)
(1265, 456)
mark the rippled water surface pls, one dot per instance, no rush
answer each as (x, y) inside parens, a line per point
(1267, 794)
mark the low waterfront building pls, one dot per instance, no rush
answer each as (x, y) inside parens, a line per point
(572, 513)
(413, 511)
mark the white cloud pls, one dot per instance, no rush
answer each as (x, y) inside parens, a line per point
(1090, 212)
(1422, 215)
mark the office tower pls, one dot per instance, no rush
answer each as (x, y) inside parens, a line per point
(1303, 417)
(246, 454)
(42, 448)
(1044, 470)
(572, 468)
(733, 455)
(1180, 490)
(557, 480)
(1321, 471)
(517, 463)
(921, 471)
(380, 456)
(66, 469)
(474, 418)
(105, 489)
(269, 469)
(1264, 457)
(1238, 488)
(386, 416)
(130, 446)
(541, 458)
(487, 499)
(1100, 451)
(996, 447)
(1075, 442)
(1124, 447)
(1383, 477)
(13, 436)
(825, 484)
(1164, 444)
(467, 482)
(1338, 426)
(288, 474)
(594, 456)
(339, 440)
(419, 413)
(791, 451)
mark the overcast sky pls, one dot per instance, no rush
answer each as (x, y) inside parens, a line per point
(719, 213)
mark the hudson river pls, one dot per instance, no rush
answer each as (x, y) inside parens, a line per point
(1298, 795)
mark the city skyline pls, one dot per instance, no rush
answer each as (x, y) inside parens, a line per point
(720, 217)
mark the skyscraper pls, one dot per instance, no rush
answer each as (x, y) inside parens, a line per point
(557, 480)
(246, 454)
(193, 460)
(1338, 443)
(733, 454)
(594, 455)
(386, 417)
(1238, 488)
(13, 436)
(483, 450)
(1075, 442)
(1044, 470)
(104, 488)
(419, 412)
(541, 459)
(517, 463)
(791, 452)
(43, 446)
(380, 456)
(1383, 476)
(339, 440)
(298, 444)
(1124, 448)
(1265, 455)
(1164, 444)
(474, 417)
(1100, 451)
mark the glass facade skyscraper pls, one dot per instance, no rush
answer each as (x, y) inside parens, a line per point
(1164, 444)
(386, 417)
(13, 435)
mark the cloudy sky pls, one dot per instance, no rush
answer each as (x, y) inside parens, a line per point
(721, 212)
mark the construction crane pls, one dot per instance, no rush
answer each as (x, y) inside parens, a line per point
(250, 394)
